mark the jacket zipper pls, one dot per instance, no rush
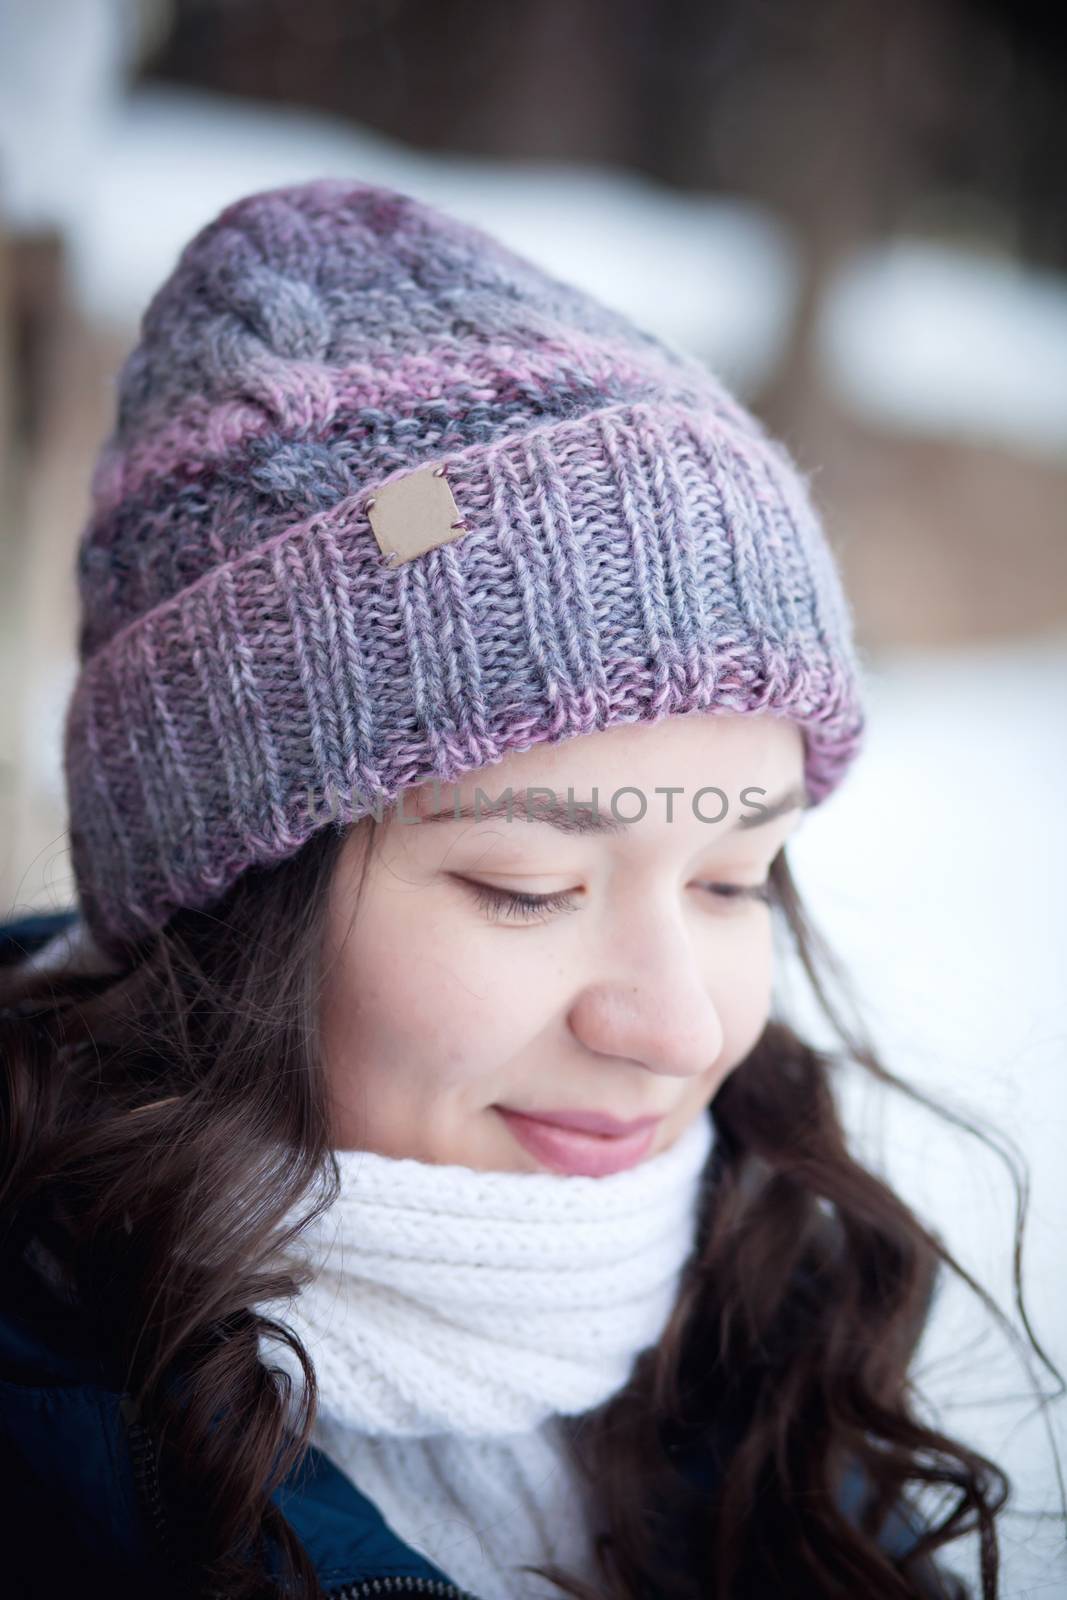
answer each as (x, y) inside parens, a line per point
(400, 1588)
(146, 1478)
(396, 1586)
(146, 1474)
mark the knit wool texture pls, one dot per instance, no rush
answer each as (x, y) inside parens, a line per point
(456, 1317)
(250, 665)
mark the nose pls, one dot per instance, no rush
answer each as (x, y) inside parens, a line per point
(659, 1012)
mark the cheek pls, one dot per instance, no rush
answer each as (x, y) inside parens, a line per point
(388, 1005)
(416, 1006)
(742, 988)
(401, 1051)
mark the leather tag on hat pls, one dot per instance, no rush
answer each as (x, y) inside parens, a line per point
(414, 514)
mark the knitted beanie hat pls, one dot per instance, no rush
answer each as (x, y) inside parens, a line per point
(384, 502)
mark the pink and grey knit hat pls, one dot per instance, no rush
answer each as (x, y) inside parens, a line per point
(385, 502)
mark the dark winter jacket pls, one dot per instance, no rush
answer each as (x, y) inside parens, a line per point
(84, 1508)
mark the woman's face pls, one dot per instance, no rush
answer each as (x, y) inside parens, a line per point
(635, 993)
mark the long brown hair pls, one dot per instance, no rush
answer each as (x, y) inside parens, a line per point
(163, 1125)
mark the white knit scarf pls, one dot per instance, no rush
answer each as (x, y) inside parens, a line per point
(456, 1316)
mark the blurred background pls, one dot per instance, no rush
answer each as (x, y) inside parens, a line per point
(855, 213)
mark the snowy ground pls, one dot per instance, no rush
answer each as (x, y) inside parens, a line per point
(938, 872)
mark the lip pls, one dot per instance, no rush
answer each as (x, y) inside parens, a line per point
(592, 1122)
(579, 1153)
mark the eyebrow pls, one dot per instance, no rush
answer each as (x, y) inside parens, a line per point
(582, 817)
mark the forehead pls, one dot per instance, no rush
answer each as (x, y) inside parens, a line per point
(630, 781)
(726, 750)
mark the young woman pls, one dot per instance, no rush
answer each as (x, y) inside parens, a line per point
(456, 662)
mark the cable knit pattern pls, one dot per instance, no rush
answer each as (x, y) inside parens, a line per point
(458, 1318)
(250, 666)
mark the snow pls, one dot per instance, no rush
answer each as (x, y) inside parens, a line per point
(938, 873)
(912, 333)
(713, 274)
(930, 338)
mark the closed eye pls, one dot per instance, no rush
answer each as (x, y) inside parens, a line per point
(519, 905)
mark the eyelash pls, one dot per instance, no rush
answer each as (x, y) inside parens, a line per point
(526, 906)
